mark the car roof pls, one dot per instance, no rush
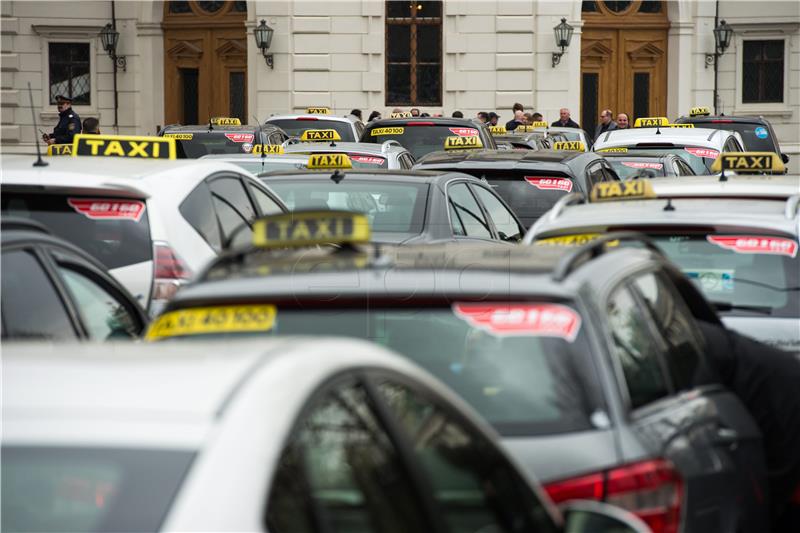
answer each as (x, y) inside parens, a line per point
(286, 158)
(504, 158)
(366, 148)
(349, 118)
(435, 121)
(204, 128)
(398, 175)
(745, 186)
(679, 136)
(727, 118)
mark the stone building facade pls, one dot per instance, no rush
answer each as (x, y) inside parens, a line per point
(188, 60)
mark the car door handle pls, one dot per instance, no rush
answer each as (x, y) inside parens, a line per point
(726, 437)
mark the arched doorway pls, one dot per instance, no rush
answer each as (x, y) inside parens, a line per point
(205, 60)
(623, 59)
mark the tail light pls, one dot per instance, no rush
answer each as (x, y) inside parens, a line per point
(652, 490)
(169, 272)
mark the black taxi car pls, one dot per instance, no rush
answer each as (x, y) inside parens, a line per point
(531, 182)
(421, 135)
(222, 135)
(52, 290)
(589, 362)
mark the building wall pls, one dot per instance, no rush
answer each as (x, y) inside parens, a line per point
(495, 53)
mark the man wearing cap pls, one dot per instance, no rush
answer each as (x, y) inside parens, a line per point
(69, 123)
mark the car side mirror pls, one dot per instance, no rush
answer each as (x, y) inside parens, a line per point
(586, 516)
(785, 158)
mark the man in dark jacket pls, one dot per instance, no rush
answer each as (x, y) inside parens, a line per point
(69, 123)
(606, 124)
(565, 121)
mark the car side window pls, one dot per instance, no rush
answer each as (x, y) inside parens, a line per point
(594, 174)
(677, 326)
(266, 204)
(474, 486)
(608, 173)
(232, 205)
(198, 211)
(340, 472)
(104, 315)
(504, 221)
(31, 306)
(636, 349)
(276, 138)
(467, 212)
(686, 170)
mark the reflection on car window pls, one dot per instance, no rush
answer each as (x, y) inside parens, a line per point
(504, 221)
(233, 207)
(468, 212)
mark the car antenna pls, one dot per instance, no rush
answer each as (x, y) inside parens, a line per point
(722, 176)
(210, 125)
(261, 141)
(337, 176)
(39, 161)
(669, 206)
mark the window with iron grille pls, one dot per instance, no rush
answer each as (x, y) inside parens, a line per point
(762, 71)
(69, 72)
(413, 53)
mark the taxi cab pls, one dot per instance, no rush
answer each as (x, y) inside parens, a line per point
(388, 155)
(756, 132)
(53, 290)
(699, 147)
(571, 134)
(151, 220)
(738, 242)
(528, 140)
(348, 127)
(421, 135)
(531, 182)
(221, 136)
(280, 436)
(403, 206)
(552, 346)
(641, 163)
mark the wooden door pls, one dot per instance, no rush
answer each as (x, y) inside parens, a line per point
(623, 60)
(205, 61)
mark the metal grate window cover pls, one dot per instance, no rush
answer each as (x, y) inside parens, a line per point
(70, 73)
(762, 71)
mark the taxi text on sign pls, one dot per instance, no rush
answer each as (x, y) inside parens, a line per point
(329, 161)
(59, 149)
(318, 111)
(749, 162)
(310, 228)
(124, 146)
(260, 149)
(577, 146)
(622, 190)
(320, 135)
(650, 122)
(461, 143)
(225, 121)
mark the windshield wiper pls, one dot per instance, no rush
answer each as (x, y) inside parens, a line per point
(728, 306)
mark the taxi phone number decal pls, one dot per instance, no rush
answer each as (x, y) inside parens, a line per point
(750, 244)
(206, 320)
(464, 132)
(107, 208)
(703, 152)
(240, 137)
(521, 319)
(367, 159)
(550, 184)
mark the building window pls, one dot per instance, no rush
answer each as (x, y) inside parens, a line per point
(414, 53)
(762, 71)
(69, 72)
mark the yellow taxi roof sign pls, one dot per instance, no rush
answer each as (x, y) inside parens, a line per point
(539, 124)
(680, 125)
(524, 128)
(225, 121)
(699, 111)
(497, 130)
(320, 136)
(179, 136)
(124, 146)
(576, 146)
(318, 111)
(311, 228)
(615, 150)
(59, 149)
(749, 162)
(401, 114)
(329, 161)
(212, 320)
(456, 142)
(650, 122)
(260, 149)
(636, 189)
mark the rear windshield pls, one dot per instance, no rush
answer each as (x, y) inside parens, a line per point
(216, 142)
(523, 366)
(257, 166)
(419, 140)
(89, 489)
(295, 127)
(358, 160)
(630, 168)
(744, 274)
(756, 137)
(699, 158)
(391, 207)
(115, 231)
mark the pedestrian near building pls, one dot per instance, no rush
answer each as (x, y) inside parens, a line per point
(606, 124)
(564, 120)
(91, 125)
(537, 117)
(483, 116)
(375, 115)
(518, 120)
(493, 118)
(414, 112)
(356, 113)
(458, 114)
(622, 122)
(69, 123)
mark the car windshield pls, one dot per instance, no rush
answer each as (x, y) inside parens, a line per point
(523, 366)
(89, 489)
(391, 207)
(215, 142)
(756, 137)
(419, 139)
(629, 168)
(699, 158)
(745, 274)
(295, 127)
(116, 231)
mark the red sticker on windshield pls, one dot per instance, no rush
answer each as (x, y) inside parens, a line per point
(108, 209)
(521, 319)
(750, 244)
(550, 184)
(703, 152)
(642, 164)
(240, 137)
(368, 159)
(464, 132)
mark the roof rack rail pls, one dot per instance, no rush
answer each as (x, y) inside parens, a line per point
(792, 205)
(386, 144)
(570, 199)
(593, 249)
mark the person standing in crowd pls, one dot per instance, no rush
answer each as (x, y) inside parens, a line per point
(493, 118)
(414, 112)
(69, 123)
(356, 113)
(622, 122)
(518, 120)
(397, 110)
(375, 115)
(537, 117)
(91, 125)
(528, 118)
(606, 124)
(565, 121)
(483, 116)
(458, 114)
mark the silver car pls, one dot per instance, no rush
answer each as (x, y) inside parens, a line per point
(348, 127)
(388, 155)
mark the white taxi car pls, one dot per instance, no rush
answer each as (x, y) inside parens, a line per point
(280, 436)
